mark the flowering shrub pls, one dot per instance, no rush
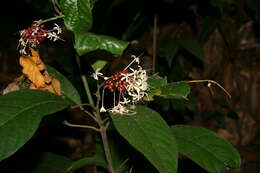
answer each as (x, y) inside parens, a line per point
(42, 90)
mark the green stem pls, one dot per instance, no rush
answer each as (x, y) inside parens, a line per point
(85, 83)
(106, 149)
(103, 131)
(102, 127)
(81, 126)
(50, 19)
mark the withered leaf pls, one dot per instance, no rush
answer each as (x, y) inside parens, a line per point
(35, 70)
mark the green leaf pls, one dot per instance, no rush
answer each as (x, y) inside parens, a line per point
(52, 163)
(87, 42)
(155, 81)
(78, 15)
(192, 47)
(98, 160)
(148, 133)
(151, 93)
(67, 89)
(99, 64)
(206, 148)
(20, 114)
(175, 90)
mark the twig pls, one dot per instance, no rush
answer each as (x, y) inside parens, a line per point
(50, 19)
(91, 115)
(154, 42)
(106, 149)
(103, 132)
(85, 83)
(209, 83)
(122, 164)
(56, 7)
(81, 126)
(84, 110)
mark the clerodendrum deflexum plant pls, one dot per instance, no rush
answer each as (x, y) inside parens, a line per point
(42, 90)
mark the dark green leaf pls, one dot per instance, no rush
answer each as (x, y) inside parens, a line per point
(206, 148)
(20, 114)
(176, 90)
(52, 163)
(118, 156)
(78, 15)
(67, 88)
(192, 47)
(87, 42)
(148, 133)
(98, 160)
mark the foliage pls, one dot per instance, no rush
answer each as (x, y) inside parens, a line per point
(142, 128)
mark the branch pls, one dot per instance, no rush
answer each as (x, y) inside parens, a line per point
(209, 84)
(81, 126)
(50, 19)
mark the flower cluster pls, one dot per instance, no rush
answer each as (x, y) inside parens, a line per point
(35, 34)
(129, 84)
(117, 82)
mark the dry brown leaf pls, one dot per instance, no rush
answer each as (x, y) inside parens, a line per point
(32, 71)
(35, 70)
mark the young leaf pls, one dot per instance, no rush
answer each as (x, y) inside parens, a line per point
(206, 148)
(155, 81)
(87, 42)
(20, 114)
(78, 15)
(99, 64)
(52, 163)
(148, 133)
(175, 90)
(192, 47)
(67, 88)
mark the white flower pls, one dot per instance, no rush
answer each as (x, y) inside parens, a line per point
(137, 83)
(96, 74)
(102, 109)
(120, 109)
(136, 58)
(57, 28)
(131, 84)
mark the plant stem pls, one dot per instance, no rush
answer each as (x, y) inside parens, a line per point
(50, 19)
(209, 82)
(103, 131)
(81, 126)
(102, 126)
(85, 83)
(106, 149)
